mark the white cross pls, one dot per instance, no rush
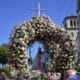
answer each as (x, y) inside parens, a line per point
(39, 9)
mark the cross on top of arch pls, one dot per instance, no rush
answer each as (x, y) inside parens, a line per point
(38, 9)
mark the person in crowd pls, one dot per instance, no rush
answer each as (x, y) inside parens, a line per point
(72, 74)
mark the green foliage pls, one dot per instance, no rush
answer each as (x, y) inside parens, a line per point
(78, 68)
(42, 77)
(7, 70)
(35, 78)
(3, 53)
(45, 77)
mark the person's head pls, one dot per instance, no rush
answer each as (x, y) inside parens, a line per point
(71, 72)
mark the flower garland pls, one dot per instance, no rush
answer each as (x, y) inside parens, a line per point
(41, 29)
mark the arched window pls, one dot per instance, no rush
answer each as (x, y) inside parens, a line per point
(71, 23)
(74, 23)
(65, 25)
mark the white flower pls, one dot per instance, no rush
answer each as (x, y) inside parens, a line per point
(14, 45)
(62, 29)
(21, 39)
(13, 73)
(19, 47)
(23, 48)
(21, 56)
(18, 51)
(23, 27)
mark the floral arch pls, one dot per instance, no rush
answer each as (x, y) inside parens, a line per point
(55, 40)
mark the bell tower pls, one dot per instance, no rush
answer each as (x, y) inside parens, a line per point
(70, 25)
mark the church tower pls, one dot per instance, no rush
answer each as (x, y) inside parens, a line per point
(70, 25)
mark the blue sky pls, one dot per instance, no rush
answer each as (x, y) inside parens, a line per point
(13, 12)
